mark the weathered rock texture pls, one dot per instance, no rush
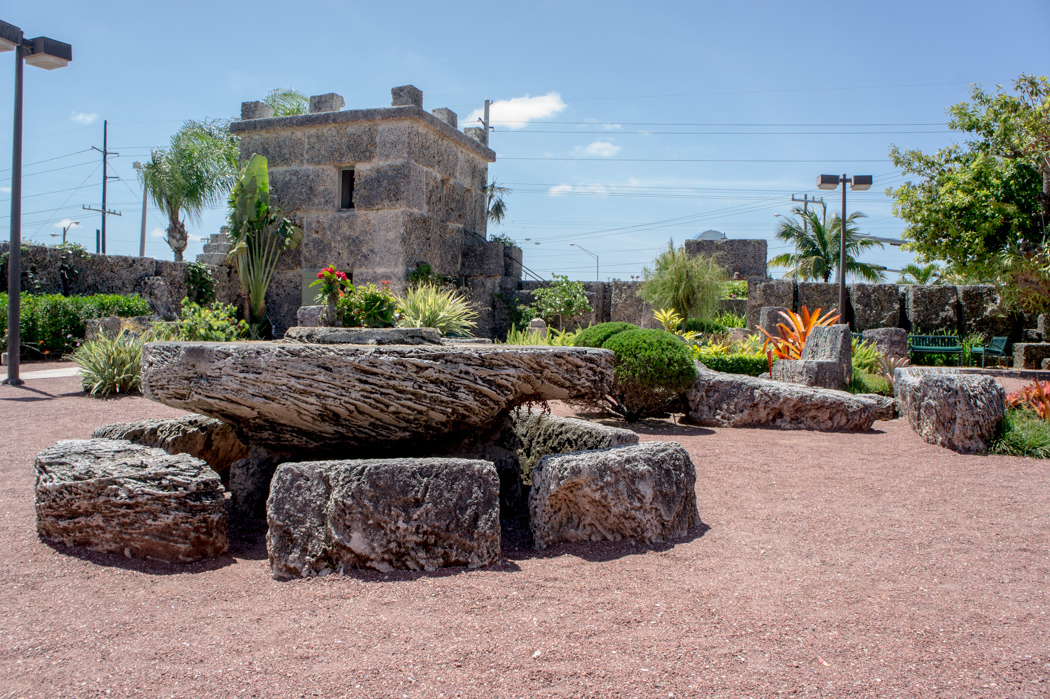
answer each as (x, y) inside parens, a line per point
(982, 312)
(298, 396)
(809, 372)
(733, 400)
(250, 482)
(112, 495)
(826, 360)
(744, 256)
(933, 309)
(363, 336)
(411, 514)
(769, 317)
(645, 492)
(814, 295)
(952, 410)
(205, 438)
(874, 306)
(891, 342)
(1030, 355)
(543, 434)
(774, 293)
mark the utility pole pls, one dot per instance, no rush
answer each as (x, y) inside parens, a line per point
(105, 180)
(805, 201)
(142, 234)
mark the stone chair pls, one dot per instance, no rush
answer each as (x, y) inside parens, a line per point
(827, 360)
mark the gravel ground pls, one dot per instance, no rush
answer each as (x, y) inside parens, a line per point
(831, 565)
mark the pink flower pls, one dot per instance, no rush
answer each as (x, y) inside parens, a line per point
(320, 275)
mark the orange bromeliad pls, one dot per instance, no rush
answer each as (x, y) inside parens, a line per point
(791, 338)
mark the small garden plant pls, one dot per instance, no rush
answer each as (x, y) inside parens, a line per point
(1026, 424)
(430, 306)
(561, 302)
(369, 306)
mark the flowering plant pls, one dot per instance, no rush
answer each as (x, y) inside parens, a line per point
(334, 284)
(370, 306)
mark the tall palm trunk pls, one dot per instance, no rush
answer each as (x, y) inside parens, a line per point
(177, 238)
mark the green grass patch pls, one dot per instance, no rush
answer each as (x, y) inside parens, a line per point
(1023, 434)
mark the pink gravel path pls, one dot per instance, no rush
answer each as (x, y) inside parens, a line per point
(861, 565)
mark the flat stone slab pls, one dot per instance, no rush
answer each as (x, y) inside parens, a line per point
(645, 492)
(115, 496)
(956, 411)
(542, 434)
(300, 396)
(205, 438)
(363, 336)
(408, 514)
(735, 400)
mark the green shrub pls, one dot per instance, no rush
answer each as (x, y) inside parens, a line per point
(214, 323)
(554, 338)
(1023, 434)
(734, 363)
(200, 285)
(863, 382)
(651, 368)
(428, 306)
(369, 306)
(596, 335)
(690, 284)
(560, 302)
(52, 324)
(710, 327)
(865, 357)
(111, 364)
(735, 289)
(731, 320)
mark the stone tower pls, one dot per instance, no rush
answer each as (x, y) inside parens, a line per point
(376, 191)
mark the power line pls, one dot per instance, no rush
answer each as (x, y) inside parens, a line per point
(715, 123)
(697, 160)
(48, 160)
(720, 133)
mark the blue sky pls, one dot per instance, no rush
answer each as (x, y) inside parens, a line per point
(642, 123)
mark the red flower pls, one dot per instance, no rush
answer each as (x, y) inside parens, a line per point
(320, 275)
(385, 282)
(341, 275)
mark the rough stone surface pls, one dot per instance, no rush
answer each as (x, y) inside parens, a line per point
(111, 326)
(289, 396)
(115, 496)
(256, 110)
(778, 293)
(409, 514)
(874, 306)
(543, 434)
(814, 295)
(329, 102)
(482, 260)
(1046, 364)
(745, 257)
(161, 300)
(831, 343)
(250, 482)
(406, 95)
(645, 492)
(212, 441)
(809, 372)
(982, 313)
(1030, 355)
(957, 411)
(933, 308)
(363, 336)
(447, 115)
(308, 317)
(769, 317)
(734, 400)
(1043, 325)
(627, 307)
(892, 342)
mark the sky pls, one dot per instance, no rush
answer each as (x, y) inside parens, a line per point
(618, 126)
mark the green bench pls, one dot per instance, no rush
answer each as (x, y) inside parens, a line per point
(935, 344)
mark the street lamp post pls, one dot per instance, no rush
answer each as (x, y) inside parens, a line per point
(65, 230)
(596, 277)
(47, 54)
(859, 183)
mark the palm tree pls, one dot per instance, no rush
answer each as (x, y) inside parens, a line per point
(817, 246)
(920, 274)
(495, 206)
(197, 170)
(287, 102)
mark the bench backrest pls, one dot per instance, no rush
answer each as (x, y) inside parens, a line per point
(946, 341)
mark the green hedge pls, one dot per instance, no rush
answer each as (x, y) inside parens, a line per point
(651, 368)
(596, 335)
(53, 324)
(749, 364)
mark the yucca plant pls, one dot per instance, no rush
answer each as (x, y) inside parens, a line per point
(791, 338)
(111, 364)
(866, 356)
(429, 306)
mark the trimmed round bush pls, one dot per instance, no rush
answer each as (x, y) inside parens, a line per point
(596, 335)
(652, 367)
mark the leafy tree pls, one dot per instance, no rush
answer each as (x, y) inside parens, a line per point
(562, 301)
(818, 244)
(287, 102)
(196, 170)
(920, 274)
(260, 233)
(988, 195)
(690, 284)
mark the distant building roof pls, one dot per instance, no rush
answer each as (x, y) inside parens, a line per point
(710, 234)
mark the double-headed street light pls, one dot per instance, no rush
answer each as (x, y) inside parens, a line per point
(47, 54)
(596, 277)
(859, 183)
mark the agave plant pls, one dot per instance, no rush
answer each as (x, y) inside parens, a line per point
(791, 338)
(888, 367)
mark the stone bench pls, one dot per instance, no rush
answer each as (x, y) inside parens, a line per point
(826, 360)
(956, 411)
(386, 514)
(114, 496)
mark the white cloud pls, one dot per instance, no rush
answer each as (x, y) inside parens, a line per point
(593, 189)
(5, 190)
(600, 149)
(65, 222)
(157, 233)
(515, 113)
(82, 118)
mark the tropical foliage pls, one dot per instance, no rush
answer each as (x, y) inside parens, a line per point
(818, 243)
(287, 102)
(561, 302)
(52, 324)
(195, 171)
(792, 335)
(921, 274)
(553, 338)
(495, 202)
(369, 306)
(260, 233)
(690, 284)
(651, 368)
(430, 306)
(111, 364)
